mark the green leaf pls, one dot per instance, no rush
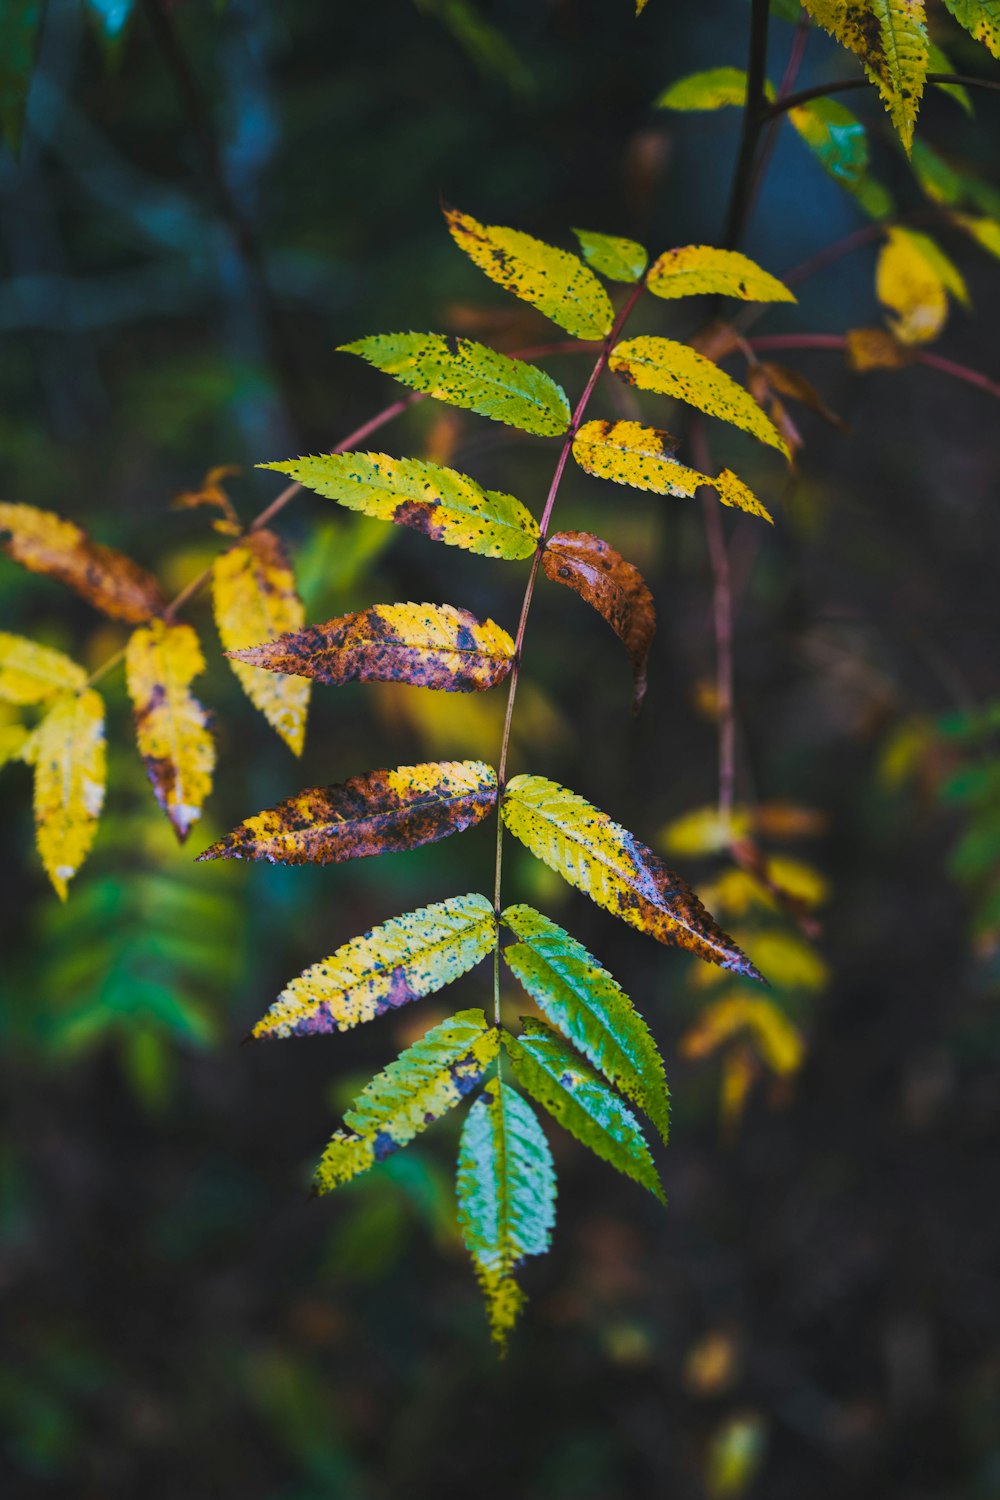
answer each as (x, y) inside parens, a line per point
(418, 1088)
(404, 959)
(614, 257)
(20, 29)
(715, 88)
(981, 19)
(836, 138)
(938, 180)
(579, 997)
(986, 232)
(560, 1081)
(446, 506)
(468, 374)
(553, 280)
(655, 364)
(939, 62)
(506, 1187)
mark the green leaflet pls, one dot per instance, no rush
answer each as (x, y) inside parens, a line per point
(614, 257)
(589, 1008)
(836, 138)
(559, 1080)
(506, 1187)
(404, 959)
(468, 374)
(715, 88)
(939, 62)
(446, 506)
(418, 1088)
(981, 19)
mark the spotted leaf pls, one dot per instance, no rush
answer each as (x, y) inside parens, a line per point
(429, 645)
(447, 506)
(655, 364)
(470, 375)
(68, 754)
(175, 743)
(981, 19)
(580, 998)
(553, 280)
(611, 866)
(614, 257)
(506, 1186)
(629, 453)
(375, 813)
(46, 543)
(616, 589)
(889, 38)
(404, 959)
(30, 673)
(693, 270)
(560, 1081)
(255, 600)
(418, 1088)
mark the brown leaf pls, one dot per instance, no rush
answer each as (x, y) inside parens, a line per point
(429, 645)
(46, 543)
(794, 385)
(875, 349)
(615, 588)
(375, 813)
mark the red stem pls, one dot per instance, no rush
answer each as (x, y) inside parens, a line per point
(838, 341)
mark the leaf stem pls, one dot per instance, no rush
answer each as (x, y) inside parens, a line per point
(775, 341)
(842, 85)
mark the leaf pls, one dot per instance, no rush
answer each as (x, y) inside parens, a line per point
(404, 959)
(13, 741)
(46, 543)
(68, 754)
(614, 257)
(835, 137)
(986, 232)
(981, 19)
(629, 453)
(378, 812)
(446, 506)
(20, 34)
(790, 962)
(692, 270)
(161, 661)
(560, 1081)
(470, 375)
(611, 866)
(30, 673)
(655, 364)
(705, 831)
(779, 1043)
(591, 1010)
(912, 278)
(889, 37)
(553, 280)
(418, 1088)
(616, 589)
(938, 61)
(875, 349)
(429, 645)
(794, 385)
(255, 600)
(712, 89)
(506, 1184)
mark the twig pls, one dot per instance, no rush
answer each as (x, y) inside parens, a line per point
(755, 115)
(775, 341)
(842, 85)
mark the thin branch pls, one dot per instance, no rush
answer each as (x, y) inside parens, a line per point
(755, 115)
(775, 341)
(843, 85)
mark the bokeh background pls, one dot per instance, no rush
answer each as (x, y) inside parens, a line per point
(203, 208)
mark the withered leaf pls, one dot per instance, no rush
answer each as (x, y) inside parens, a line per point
(615, 588)
(375, 813)
(46, 543)
(429, 645)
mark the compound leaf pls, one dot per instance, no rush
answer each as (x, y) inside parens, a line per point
(629, 453)
(375, 813)
(429, 645)
(447, 506)
(470, 375)
(255, 599)
(692, 270)
(506, 1186)
(177, 749)
(616, 589)
(30, 673)
(611, 866)
(614, 257)
(657, 364)
(590, 1008)
(404, 959)
(418, 1088)
(46, 543)
(981, 19)
(889, 37)
(68, 754)
(553, 280)
(560, 1081)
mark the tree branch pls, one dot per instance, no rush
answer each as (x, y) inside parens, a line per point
(755, 115)
(843, 85)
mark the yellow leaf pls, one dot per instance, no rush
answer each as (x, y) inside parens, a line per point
(13, 741)
(981, 19)
(629, 453)
(176, 746)
(909, 284)
(733, 492)
(30, 673)
(68, 753)
(46, 543)
(789, 962)
(778, 1042)
(715, 88)
(889, 37)
(986, 232)
(255, 600)
(655, 364)
(694, 270)
(553, 280)
(704, 831)
(875, 349)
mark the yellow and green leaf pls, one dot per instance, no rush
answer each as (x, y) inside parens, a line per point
(713, 88)
(694, 270)
(613, 256)
(553, 280)
(68, 754)
(981, 19)
(447, 506)
(913, 278)
(402, 960)
(30, 673)
(889, 38)
(626, 452)
(175, 743)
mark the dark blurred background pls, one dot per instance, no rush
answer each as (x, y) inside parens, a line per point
(205, 205)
